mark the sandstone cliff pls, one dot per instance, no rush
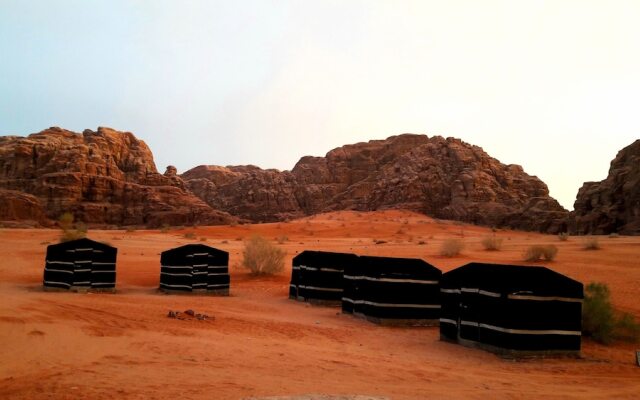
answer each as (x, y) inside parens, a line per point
(104, 177)
(444, 178)
(612, 205)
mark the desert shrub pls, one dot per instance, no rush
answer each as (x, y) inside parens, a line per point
(492, 243)
(282, 238)
(614, 235)
(591, 244)
(130, 229)
(451, 247)
(189, 235)
(601, 322)
(541, 252)
(164, 228)
(261, 257)
(69, 230)
(563, 236)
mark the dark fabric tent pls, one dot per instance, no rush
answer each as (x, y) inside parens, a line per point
(316, 276)
(396, 291)
(195, 268)
(81, 264)
(511, 309)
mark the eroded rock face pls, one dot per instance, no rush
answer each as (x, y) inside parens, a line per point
(612, 205)
(104, 177)
(444, 178)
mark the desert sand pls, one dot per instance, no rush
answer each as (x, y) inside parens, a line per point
(104, 346)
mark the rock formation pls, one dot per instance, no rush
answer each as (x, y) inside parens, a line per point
(443, 178)
(104, 178)
(612, 205)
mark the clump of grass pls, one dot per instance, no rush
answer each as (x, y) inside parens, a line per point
(591, 244)
(261, 257)
(614, 235)
(130, 229)
(541, 252)
(492, 243)
(164, 228)
(563, 236)
(451, 247)
(601, 322)
(189, 235)
(282, 238)
(71, 231)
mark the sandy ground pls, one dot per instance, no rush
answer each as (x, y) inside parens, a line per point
(103, 346)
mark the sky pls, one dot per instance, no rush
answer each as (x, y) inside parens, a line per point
(551, 85)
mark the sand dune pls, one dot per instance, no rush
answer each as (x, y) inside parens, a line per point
(101, 346)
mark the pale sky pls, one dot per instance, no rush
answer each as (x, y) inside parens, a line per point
(551, 85)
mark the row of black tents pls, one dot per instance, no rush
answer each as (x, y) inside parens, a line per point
(503, 308)
(85, 264)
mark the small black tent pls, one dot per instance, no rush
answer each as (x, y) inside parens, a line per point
(511, 309)
(316, 276)
(195, 268)
(395, 291)
(81, 264)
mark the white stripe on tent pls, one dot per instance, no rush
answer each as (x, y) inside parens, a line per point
(522, 331)
(83, 262)
(103, 272)
(177, 266)
(60, 262)
(168, 273)
(57, 283)
(200, 265)
(320, 288)
(103, 263)
(454, 291)
(398, 280)
(89, 249)
(543, 298)
(58, 270)
(199, 284)
(295, 268)
(200, 273)
(98, 251)
(167, 285)
(373, 303)
(447, 321)
(219, 285)
(331, 269)
(102, 283)
(200, 254)
(82, 283)
(480, 291)
(347, 300)
(83, 270)
(218, 267)
(222, 273)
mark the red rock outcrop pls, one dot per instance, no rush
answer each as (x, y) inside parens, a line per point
(612, 205)
(104, 177)
(443, 178)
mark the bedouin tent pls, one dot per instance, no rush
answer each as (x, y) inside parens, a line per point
(81, 264)
(393, 291)
(511, 309)
(195, 268)
(317, 276)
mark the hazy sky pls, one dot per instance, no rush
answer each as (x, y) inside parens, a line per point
(551, 85)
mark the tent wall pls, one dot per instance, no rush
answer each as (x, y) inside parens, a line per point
(317, 276)
(81, 264)
(543, 318)
(195, 268)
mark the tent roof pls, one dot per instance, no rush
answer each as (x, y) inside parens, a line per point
(399, 265)
(193, 248)
(505, 278)
(80, 243)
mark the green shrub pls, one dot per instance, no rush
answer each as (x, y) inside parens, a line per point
(563, 236)
(261, 257)
(599, 319)
(492, 243)
(539, 252)
(451, 247)
(591, 244)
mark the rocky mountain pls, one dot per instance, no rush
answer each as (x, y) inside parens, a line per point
(612, 205)
(443, 178)
(104, 177)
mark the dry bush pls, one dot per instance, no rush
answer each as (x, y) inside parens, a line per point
(451, 247)
(261, 257)
(492, 243)
(164, 228)
(282, 238)
(591, 244)
(563, 236)
(600, 320)
(614, 235)
(189, 235)
(539, 252)
(71, 231)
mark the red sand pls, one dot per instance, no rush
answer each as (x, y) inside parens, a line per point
(101, 346)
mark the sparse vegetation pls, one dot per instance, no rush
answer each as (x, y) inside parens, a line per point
(601, 322)
(451, 247)
(422, 243)
(378, 241)
(130, 229)
(541, 252)
(71, 231)
(189, 235)
(614, 235)
(492, 243)
(282, 238)
(164, 228)
(563, 236)
(591, 244)
(203, 239)
(261, 257)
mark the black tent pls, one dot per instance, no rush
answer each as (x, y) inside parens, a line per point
(511, 309)
(396, 291)
(82, 264)
(316, 276)
(195, 268)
